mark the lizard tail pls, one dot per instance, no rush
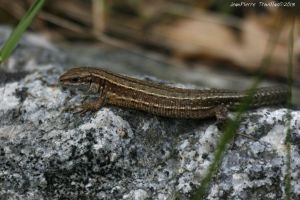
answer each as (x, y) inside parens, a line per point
(270, 96)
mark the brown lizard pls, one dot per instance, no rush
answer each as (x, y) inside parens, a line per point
(124, 91)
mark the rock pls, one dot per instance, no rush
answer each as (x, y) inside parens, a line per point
(49, 152)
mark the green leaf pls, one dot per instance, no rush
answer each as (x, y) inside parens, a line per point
(233, 125)
(17, 33)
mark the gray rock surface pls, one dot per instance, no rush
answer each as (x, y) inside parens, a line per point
(48, 152)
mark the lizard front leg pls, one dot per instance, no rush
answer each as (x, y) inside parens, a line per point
(95, 105)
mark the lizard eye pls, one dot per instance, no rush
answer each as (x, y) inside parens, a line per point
(75, 79)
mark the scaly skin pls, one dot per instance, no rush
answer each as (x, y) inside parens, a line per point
(123, 91)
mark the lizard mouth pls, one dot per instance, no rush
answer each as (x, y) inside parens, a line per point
(72, 84)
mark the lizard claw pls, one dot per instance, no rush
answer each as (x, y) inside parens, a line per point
(83, 109)
(91, 106)
(82, 112)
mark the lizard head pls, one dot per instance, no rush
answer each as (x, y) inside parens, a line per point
(76, 78)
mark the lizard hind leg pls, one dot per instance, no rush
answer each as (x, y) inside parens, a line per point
(223, 121)
(221, 113)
